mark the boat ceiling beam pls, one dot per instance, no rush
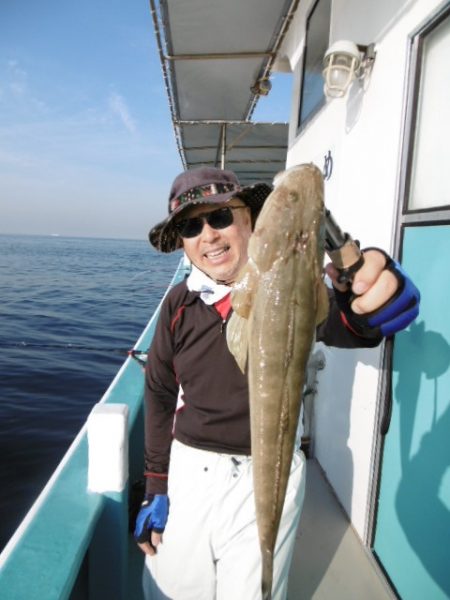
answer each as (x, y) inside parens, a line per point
(168, 83)
(249, 161)
(218, 56)
(267, 68)
(225, 122)
(251, 147)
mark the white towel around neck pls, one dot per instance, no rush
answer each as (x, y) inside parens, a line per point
(210, 291)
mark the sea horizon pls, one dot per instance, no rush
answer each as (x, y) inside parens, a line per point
(77, 237)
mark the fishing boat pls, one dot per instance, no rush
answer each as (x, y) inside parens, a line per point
(369, 104)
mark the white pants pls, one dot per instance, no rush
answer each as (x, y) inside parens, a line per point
(210, 548)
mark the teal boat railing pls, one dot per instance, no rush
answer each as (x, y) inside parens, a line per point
(74, 543)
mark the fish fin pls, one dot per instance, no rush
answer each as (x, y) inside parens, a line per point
(323, 302)
(237, 339)
(244, 289)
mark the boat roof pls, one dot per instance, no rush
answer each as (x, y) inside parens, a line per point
(213, 55)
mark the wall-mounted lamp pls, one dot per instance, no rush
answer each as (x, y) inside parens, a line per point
(343, 62)
(261, 87)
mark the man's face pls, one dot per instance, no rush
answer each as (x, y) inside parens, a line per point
(220, 253)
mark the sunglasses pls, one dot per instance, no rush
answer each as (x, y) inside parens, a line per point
(217, 219)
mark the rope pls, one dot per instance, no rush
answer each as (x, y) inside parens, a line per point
(140, 356)
(25, 345)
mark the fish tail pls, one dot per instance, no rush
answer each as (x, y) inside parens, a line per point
(267, 574)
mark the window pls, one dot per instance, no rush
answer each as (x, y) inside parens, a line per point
(312, 97)
(430, 123)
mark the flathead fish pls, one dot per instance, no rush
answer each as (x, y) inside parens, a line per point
(278, 300)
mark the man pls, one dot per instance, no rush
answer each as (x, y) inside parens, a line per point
(197, 408)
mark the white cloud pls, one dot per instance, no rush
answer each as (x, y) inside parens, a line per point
(118, 105)
(18, 82)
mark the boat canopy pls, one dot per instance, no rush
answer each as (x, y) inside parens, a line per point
(216, 58)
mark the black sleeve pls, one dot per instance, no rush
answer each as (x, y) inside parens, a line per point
(161, 392)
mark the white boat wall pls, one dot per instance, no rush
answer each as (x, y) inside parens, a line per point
(363, 136)
(385, 142)
(380, 418)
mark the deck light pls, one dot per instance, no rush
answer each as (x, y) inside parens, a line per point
(343, 62)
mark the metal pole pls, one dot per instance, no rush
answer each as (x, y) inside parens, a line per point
(223, 144)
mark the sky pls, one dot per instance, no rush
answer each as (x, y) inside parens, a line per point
(86, 142)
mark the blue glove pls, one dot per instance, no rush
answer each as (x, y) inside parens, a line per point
(393, 316)
(151, 517)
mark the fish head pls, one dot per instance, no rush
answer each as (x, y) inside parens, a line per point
(289, 221)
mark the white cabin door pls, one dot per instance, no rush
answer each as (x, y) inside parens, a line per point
(412, 525)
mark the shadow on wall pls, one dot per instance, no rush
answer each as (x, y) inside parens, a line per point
(423, 515)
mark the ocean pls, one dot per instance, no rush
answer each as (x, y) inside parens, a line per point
(70, 309)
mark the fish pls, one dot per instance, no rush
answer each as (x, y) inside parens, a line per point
(278, 299)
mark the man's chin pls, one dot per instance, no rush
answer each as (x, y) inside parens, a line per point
(221, 276)
(217, 271)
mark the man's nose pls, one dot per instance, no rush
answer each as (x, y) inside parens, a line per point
(208, 232)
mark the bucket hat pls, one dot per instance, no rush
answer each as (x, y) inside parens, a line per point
(204, 185)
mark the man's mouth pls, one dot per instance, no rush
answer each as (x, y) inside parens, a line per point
(213, 254)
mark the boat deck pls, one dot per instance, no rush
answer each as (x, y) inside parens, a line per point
(329, 560)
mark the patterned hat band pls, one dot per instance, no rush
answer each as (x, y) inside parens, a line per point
(203, 191)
